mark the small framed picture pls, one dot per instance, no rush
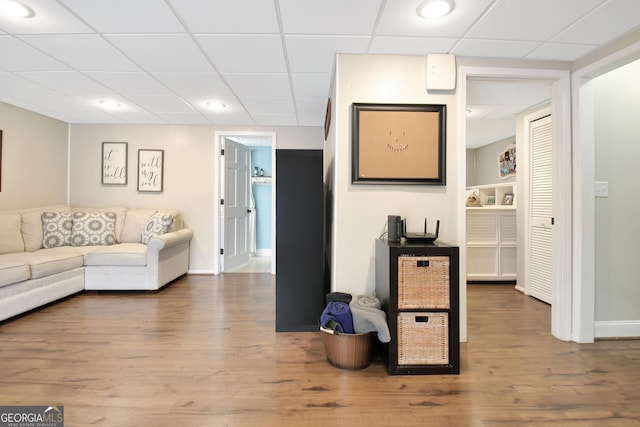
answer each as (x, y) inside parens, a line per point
(508, 199)
(114, 163)
(150, 170)
(491, 200)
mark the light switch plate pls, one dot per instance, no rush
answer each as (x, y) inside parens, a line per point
(602, 189)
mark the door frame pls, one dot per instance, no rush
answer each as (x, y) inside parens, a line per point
(218, 138)
(561, 311)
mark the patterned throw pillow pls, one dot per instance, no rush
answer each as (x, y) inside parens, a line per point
(56, 229)
(93, 228)
(157, 224)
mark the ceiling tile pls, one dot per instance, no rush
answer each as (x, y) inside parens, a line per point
(194, 83)
(316, 54)
(530, 20)
(353, 17)
(82, 51)
(228, 17)
(400, 19)
(18, 56)
(15, 84)
(411, 45)
(589, 30)
(164, 104)
(560, 51)
(50, 18)
(162, 52)
(67, 82)
(316, 106)
(130, 83)
(239, 53)
(184, 118)
(259, 85)
(268, 105)
(199, 102)
(494, 48)
(311, 85)
(127, 16)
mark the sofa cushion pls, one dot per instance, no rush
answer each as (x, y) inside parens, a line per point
(93, 228)
(45, 262)
(123, 254)
(56, 229)
(134, 224)
(32, 225)
(13, 272)
(10, 235)
(156, 225)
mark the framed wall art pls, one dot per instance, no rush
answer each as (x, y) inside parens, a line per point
(398, 144)
(507, 162)
(150, 170)
(114, 163)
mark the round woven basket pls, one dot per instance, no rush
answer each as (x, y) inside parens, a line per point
(348, 351)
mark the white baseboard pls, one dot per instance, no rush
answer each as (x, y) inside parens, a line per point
(263, 252)
(617, 329)
(207, 272)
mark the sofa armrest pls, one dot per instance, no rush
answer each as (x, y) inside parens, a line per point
(156, 244)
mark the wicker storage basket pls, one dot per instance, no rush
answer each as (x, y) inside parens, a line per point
(423, 282)
(348, 351)
(423, 338)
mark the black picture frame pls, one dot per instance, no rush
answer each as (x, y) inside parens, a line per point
(150, 171)
(398, 144)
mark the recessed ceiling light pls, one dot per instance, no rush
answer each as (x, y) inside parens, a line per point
(216, 106)
(110, 104)
(15, 9)
(433, 9)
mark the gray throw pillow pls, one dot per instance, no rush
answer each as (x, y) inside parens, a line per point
(56, 229)
(93, 228)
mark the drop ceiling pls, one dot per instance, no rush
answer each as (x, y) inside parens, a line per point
(268, 61)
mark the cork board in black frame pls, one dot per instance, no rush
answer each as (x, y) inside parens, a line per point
(398, 144)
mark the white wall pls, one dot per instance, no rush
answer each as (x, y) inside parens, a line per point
(190, 173)
(617, 151)
(486, 162)
(34, 159)
(360, 211)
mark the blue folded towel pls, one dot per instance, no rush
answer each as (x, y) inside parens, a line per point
(340, 313)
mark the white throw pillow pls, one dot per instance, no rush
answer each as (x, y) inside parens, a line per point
(157, 224)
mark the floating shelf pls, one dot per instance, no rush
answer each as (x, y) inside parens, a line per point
(261, 179)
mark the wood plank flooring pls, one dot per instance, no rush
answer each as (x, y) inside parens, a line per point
(203, 352)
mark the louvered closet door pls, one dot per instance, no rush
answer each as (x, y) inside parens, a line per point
(540, 262)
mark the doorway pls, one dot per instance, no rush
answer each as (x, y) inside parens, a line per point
(245, 224)
(560, 97)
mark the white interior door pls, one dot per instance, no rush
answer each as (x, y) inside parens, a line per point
(540, 242)
(235, 205)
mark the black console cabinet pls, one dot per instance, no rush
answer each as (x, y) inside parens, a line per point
(300, 292)
(417, 285)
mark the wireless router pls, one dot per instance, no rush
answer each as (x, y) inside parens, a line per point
(425, 236)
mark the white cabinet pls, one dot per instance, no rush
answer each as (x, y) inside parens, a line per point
(492, 236)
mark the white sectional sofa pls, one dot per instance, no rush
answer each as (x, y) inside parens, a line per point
(69, 249)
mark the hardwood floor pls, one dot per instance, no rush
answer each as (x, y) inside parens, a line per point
(203, 352)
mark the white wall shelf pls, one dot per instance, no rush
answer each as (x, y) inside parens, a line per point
(496, 191)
